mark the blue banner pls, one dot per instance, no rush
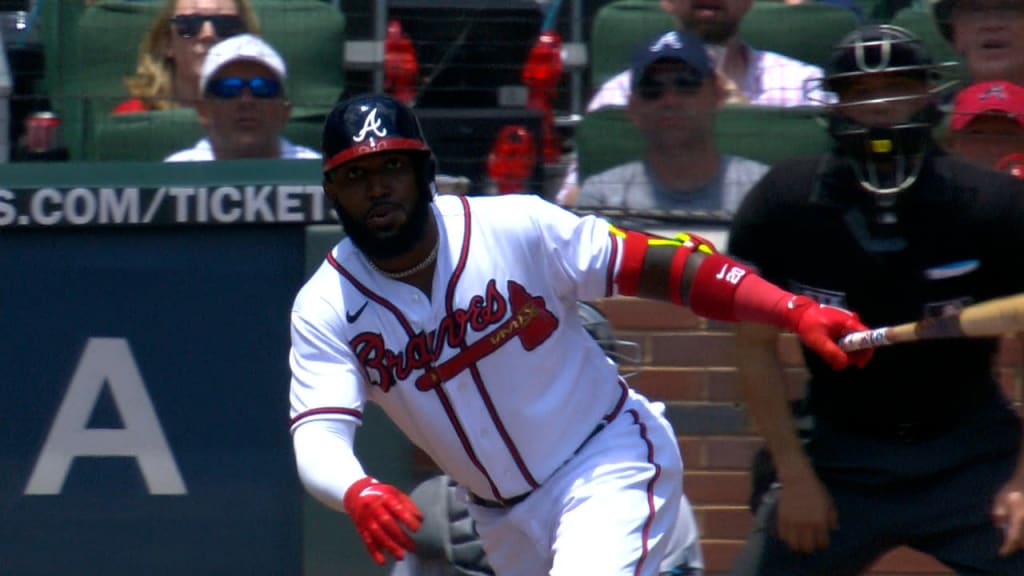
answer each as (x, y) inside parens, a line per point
(144, 401)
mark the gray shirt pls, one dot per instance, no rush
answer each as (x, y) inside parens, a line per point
(632, 187)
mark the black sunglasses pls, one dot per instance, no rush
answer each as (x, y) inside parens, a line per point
(231, 87)
(686, 80)
(224, 25)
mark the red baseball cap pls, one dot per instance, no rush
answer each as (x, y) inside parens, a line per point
(996, 96)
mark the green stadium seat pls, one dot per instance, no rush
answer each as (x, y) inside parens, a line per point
(769, 133)
(618, 29)
(806, 32)
(93, 67)
(606, 137)
(152, 136)
(58, 26)
(922, 23)
(146, 136)
(310, 35)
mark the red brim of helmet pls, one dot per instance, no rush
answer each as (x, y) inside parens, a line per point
(372, 146)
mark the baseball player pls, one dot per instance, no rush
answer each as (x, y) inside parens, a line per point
(457, 316)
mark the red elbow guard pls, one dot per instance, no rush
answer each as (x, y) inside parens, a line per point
(634, 249)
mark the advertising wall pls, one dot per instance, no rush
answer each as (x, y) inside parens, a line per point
(145, 402)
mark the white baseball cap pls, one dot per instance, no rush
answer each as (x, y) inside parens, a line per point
(241, 47)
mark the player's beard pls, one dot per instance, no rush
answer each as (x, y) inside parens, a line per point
(397, 244)
(711, 31)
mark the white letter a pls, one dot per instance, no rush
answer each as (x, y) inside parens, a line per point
(106, 360)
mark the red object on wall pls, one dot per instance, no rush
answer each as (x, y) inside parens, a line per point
(512, 159)
(401, 69)
(541, 74)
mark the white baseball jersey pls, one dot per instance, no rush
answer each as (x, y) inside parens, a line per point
(494, 377)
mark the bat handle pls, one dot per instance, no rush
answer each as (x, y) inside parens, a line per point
(864, 339)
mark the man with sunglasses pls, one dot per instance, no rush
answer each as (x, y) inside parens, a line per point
(673, 100)
(752, 76)
(243, 107)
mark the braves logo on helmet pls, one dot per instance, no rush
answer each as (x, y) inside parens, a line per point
(368, 124)
(371, 124)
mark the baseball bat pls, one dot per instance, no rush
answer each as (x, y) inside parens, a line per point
(994, 317)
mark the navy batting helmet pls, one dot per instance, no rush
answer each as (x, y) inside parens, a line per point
(368, 124)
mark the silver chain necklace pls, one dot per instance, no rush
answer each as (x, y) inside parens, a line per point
(417, 268)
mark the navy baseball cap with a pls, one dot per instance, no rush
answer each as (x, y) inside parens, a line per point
(675, 45)
(367, 124)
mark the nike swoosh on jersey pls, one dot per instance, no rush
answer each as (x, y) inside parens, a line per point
(351, 317)
(952, 269)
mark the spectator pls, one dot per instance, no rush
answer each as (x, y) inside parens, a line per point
(673, 100)
(920, 447)
(244, 106)
(988, 34)
(750, 75)
(171, 54)
(987, 122)
(757, 76)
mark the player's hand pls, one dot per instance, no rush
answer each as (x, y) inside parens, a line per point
(820, 326)
(1008, 512)
(379, 511)
(806, 514)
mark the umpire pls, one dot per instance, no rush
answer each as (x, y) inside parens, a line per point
(920, 447)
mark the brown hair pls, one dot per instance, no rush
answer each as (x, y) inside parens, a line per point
(154, 72)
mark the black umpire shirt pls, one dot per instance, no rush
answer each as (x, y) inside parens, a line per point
(953, 238)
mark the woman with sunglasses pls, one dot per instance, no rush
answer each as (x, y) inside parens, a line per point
(172, 53)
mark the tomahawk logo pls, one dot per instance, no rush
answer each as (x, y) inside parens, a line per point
(669, 39)
(371, 124)
(996, 92)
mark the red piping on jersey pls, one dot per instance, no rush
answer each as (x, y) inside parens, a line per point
(474, 371)
(442, 397)
(618, 405)
(650, 489)
(377, 298)
(449, 296)
(609, 282)
(357, 414)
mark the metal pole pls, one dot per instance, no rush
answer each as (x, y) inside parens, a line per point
(380, 30)
(576, 78)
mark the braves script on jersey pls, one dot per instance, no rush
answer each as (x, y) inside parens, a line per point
(459, 373)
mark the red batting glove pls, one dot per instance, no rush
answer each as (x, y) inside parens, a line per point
(377, 510)
(820, 326)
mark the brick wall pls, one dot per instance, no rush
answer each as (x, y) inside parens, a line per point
(687, 365)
